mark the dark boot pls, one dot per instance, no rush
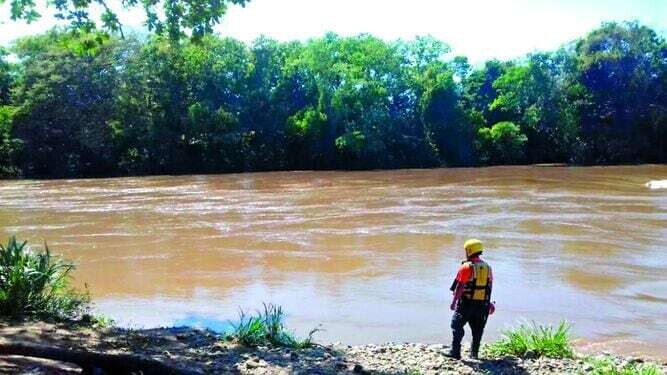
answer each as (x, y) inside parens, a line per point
(457, 337)
(454, 352)
(474, 352)
(474, 347)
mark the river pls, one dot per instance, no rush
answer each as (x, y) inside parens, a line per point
(369, 256)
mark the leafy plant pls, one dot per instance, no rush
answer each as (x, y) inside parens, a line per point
(96, 321)
(534, 340)
(36, 284)
(503, 143)
(351, 142)
(267, 328)
(607, 366)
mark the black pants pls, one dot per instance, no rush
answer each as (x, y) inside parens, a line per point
(474, 314)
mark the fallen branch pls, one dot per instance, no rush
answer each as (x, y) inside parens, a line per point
(93, 362)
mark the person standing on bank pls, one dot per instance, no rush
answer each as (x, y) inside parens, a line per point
(472, 299)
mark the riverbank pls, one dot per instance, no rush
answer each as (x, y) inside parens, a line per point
(202, 351)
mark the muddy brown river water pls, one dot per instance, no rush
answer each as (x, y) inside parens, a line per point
(369, 256)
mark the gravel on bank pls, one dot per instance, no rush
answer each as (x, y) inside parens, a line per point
(206, 352)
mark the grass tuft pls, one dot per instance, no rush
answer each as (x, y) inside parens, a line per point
(533, 340)
(97, 321)
(37, 285)
(267, 329)
(607, 366)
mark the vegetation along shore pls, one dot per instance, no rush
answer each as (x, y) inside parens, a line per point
(77, 104)
(47, 327)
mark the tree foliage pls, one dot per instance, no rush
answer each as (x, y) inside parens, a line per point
(90, 104)
(174, 18)
(64, 101)
(503, 143)
(623, 69)
(9, 145)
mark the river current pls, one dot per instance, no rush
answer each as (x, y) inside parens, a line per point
(368, 256)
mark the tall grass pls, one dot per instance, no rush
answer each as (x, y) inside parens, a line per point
(267, 328)
(35, 284)
(534, 340)
(607, 366)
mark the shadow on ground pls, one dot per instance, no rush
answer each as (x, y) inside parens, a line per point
(497, 366)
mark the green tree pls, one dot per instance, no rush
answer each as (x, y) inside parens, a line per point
(444, 118)
(478, 93)
(8, 145)
(5, 77)
(503, 143)
(63, 102)
(273, 94)
(93, 104)
(178, 109)
(623, 69)
(174, 18)
(363, 86)
(537, 95)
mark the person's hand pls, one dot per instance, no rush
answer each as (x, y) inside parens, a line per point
(492, 307)
(453, 306)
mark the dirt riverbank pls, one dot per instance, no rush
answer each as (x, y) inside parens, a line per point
(207, 353)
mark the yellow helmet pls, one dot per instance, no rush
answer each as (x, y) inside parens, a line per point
(473, 247)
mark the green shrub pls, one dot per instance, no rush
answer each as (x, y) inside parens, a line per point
(267, 329)
(534, 340)
(36, 284)
(607, 366)
(351, 142)
(503, 143)
(307, 122)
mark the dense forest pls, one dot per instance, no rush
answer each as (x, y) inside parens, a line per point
(90, 104)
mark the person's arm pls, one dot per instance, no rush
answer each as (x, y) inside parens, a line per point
(492, 305)
(458, 292)
(462, 276)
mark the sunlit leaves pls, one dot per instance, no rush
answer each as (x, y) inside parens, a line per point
(9, 146)
(503, 143)
(351, 142)
(174, 18)
(308, 122)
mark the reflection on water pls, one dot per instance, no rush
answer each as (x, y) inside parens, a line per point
(199, 321)
(369, 255)
(659, 184)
